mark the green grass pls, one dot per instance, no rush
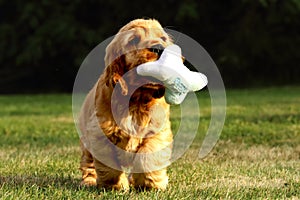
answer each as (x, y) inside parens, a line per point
(256, 157)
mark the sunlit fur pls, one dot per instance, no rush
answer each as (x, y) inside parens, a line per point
(144, 128)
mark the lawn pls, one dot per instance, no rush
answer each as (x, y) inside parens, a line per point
(256, 157)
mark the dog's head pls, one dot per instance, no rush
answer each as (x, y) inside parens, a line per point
(137, 42)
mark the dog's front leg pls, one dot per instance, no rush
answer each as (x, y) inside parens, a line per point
(151, 161)
(110, 178)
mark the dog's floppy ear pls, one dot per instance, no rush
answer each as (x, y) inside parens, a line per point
(114, 73)
(118, 79)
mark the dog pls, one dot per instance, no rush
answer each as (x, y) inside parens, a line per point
(124, 121)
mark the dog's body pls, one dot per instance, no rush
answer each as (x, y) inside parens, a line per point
(131, 116)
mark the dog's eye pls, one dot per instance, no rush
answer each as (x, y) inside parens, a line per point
(163, 38)
(135, 40)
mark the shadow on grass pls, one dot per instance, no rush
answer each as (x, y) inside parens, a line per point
(62, 183)
(68, 183)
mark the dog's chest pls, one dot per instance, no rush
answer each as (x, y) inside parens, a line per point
(136, 127)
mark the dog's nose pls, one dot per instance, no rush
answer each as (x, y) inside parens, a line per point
(158, 48)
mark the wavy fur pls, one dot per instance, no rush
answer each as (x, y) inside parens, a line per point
(141, 126)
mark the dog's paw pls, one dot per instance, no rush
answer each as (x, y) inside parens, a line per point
(120, 184)
(88, 181)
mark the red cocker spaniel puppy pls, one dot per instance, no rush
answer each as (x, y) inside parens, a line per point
(125, 129)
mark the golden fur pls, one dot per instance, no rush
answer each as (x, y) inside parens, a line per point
(144, 127)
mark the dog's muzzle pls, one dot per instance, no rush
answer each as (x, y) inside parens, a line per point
(158, 49)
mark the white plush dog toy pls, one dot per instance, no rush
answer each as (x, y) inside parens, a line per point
(175, 76)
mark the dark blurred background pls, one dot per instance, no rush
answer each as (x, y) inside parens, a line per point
(254, 43)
